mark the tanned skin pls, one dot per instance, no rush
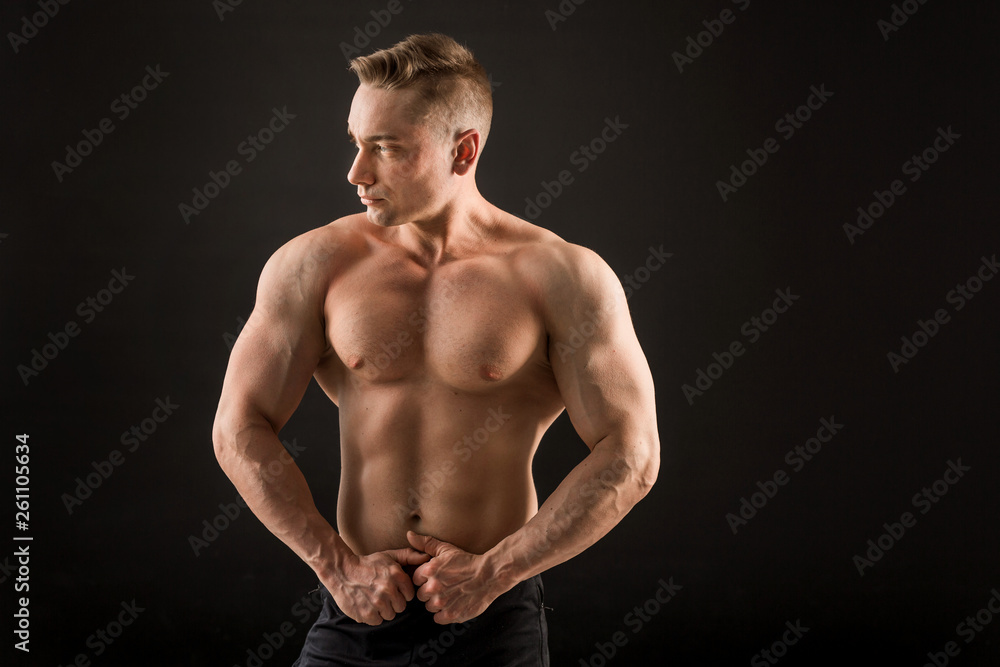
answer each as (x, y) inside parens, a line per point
(443, 330)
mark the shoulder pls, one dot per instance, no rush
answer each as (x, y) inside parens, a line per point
(338, 239)
(566, 277)
(552, 263)
(318, 250)
(545, 254)
(306, 264)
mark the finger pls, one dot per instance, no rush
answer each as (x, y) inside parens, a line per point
(449, 616)
(398, 604)
(409, 556)
(418, 541)
(390, 600)
(423, 594)
(403, 585)
(421, 575)
(371, 618)
(385, 608)
(444, 618)
(425, 543)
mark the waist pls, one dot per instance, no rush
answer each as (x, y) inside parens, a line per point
(527, 594)
(470, 507)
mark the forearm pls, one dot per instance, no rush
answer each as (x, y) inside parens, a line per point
(588, 503)
(275, 490)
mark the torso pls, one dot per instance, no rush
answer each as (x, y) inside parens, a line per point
(444, 387)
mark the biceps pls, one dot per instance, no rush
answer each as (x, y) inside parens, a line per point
(269, 370)
(605, 382)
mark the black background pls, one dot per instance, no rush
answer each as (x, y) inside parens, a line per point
(166, 334)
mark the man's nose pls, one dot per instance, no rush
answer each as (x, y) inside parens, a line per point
(360, 172)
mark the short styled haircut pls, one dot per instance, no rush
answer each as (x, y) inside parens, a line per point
(453, 86)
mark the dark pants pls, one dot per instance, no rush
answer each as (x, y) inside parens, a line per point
(511, 633)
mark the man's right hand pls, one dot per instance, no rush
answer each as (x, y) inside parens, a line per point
(374, 588)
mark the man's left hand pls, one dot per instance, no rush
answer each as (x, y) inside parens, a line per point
(454, 584)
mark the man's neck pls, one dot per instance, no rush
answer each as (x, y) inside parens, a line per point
(458, 228)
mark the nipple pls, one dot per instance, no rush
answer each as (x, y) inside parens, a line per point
(490, 372)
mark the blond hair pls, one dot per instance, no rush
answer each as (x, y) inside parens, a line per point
(453, 86)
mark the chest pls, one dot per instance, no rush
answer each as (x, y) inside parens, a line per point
(468, 325)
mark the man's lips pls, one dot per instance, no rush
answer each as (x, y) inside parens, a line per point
(368, 200)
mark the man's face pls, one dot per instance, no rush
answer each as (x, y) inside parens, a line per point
(403, 169)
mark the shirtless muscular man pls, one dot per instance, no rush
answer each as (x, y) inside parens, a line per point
(450, 335)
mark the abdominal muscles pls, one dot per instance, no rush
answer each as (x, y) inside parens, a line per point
(449, 464)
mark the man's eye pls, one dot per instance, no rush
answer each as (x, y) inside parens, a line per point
(385, 149)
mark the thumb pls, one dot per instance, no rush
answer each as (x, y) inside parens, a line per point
(409, 556)
(425, 543)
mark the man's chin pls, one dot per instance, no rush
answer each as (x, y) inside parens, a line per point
(382, 218)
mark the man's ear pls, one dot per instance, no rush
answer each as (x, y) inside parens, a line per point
(466, 151)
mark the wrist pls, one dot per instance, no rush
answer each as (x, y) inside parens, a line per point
(500, 567)
(331, 560)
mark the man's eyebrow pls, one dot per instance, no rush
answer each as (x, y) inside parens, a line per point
(373, 139)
